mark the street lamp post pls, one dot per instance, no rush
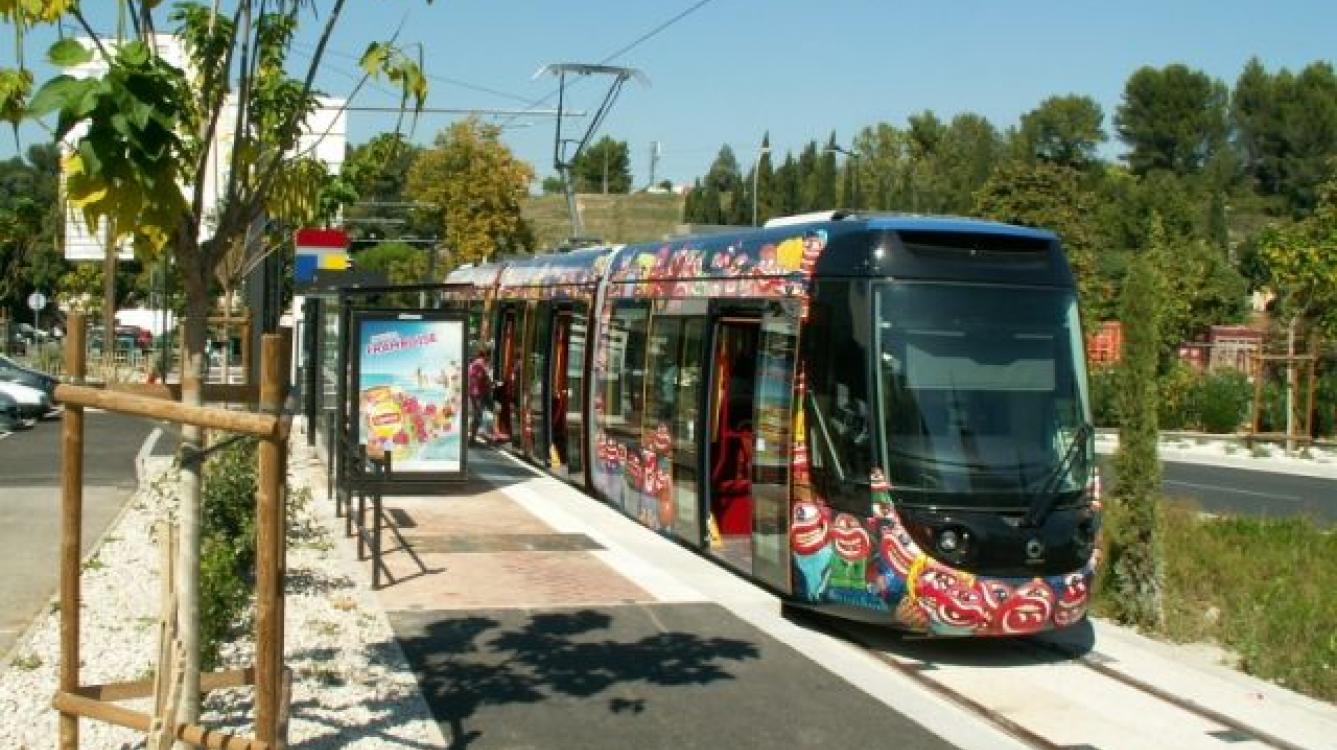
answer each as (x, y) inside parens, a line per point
(756, 170)
(854, 184)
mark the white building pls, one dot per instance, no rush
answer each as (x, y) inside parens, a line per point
(324, 137)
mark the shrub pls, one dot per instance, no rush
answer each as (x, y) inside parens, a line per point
(227, 545)
(1177, 409)
(1325, 404)
(1104, 404)
(1223, 400)
(1272, 417)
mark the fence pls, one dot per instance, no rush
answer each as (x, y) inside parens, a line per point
(268, 675)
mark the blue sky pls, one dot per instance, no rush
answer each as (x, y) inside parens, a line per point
(732, 69)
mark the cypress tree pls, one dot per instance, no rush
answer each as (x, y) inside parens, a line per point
(766, 200)
(1136, 568)
(824, 177)
(740, 204)
(848, 197)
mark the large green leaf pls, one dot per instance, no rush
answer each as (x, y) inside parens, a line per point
(15, 85)
(67, 53)
(61, 92)
(135, 53)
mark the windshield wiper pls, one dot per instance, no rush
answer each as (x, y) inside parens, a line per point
(1044, 501)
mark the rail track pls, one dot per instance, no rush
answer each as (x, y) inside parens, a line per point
(891, 650)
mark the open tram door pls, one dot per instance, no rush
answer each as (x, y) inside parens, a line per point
(750, 406)
(566, 386)
(505, 359)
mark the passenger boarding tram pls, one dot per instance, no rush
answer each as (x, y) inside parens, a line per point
(881, 417)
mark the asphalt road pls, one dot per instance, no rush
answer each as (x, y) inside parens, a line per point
(30, 505)
(1218, 489)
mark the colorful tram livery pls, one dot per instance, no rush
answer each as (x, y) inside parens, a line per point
(882, 417)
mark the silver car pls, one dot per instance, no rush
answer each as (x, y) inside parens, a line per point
(10, 416)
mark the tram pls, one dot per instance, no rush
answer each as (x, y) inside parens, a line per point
(881, 417)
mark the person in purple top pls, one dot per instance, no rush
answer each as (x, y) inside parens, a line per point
(480, 391)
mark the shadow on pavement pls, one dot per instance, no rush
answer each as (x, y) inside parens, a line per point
(470, 661)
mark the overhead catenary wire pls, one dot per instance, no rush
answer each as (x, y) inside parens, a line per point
(647, 36)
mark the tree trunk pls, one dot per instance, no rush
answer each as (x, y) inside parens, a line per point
(1291, 383)
(109, 302)
(192, 441)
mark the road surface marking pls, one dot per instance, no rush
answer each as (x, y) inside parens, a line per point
(1219, 488)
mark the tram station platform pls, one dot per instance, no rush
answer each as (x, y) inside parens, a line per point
(536, 617)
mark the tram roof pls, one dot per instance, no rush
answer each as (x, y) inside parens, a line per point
(853, 245)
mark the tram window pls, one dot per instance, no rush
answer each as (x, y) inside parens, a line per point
(623, 386)
(836, 362)
(665, 340)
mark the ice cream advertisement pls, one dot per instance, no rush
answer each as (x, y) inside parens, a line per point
(410, 385)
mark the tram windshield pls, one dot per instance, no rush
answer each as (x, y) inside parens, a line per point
(983, 393)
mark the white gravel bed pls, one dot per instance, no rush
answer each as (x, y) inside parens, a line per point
(352, 687)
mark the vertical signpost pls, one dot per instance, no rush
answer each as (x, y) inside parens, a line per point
(36, 301)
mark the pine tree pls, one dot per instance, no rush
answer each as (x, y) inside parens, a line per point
(1136, 568)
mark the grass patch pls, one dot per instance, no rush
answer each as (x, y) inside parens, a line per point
(1264, 588)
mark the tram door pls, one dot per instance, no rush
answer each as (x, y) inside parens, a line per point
(749, 440)
(535, 403)
(566, 383)
(506, 357)
(729, 438)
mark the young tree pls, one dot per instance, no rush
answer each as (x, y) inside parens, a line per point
(1136, 567)
(1301, 262)
(1173, 118)
(477, 186)
(149, 130)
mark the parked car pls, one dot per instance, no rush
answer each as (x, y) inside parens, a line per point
(33, 404)
(13, 372)
(11, 418)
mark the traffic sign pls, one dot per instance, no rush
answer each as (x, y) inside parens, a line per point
(37, 301)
